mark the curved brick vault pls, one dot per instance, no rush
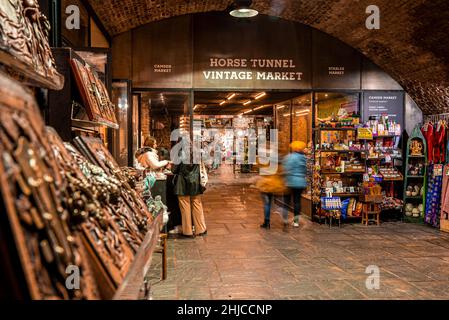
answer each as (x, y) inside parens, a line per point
(411, 45)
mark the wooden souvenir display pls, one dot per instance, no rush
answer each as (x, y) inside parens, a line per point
(96, 151)
(94, 94)
(24, 47)
(415, 182)
(39, 246)
(141, 234)
(133, 226)
(109, 251)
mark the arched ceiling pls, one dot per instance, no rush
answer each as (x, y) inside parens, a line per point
(411, 45)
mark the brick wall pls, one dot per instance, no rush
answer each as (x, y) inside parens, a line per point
(145, 118)
(411, 45)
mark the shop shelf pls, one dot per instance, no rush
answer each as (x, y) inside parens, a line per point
(418, 157)
(335, 129)
(78, 123)
(341, 151)
(414, 198)
(419, 219)
(417, 177)
(349, 173)
(392, 179)
(344, 195)
(386, 136)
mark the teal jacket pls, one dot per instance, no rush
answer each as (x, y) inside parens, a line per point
(295, 170)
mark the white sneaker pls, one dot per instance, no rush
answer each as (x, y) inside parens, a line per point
(296, 224)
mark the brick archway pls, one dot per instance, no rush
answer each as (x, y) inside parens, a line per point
(411, 44)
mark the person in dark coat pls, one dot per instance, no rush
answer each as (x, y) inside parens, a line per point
(188, 188)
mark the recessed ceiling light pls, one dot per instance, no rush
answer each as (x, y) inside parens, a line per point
(232, 95)
(260, 95)
(247, 102)
(241, 9)
(223, 102)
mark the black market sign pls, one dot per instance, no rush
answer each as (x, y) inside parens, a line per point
(257, 53)
(215, 51)
(379, 103)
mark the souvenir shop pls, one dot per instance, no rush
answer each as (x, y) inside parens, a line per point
(339, 96)
(74, 106)
(74, 223)
(428, 147)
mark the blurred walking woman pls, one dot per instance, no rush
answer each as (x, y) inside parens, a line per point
(295, 171)
(188, 188)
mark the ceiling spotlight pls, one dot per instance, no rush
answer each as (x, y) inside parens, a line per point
(260, 95)
(247, 102)
(223, 102)
(260, 107)
(231, 96)
(241, 9)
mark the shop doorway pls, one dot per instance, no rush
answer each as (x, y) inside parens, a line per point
(232, 121)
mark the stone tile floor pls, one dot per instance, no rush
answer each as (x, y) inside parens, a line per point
(238, 260)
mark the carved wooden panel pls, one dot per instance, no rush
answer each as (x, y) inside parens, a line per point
(24, 46)
(32, 210)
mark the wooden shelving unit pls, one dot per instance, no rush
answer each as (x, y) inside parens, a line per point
(422, 179)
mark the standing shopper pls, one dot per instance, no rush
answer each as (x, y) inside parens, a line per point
(295, 172)
(147, 156)
(188, 188)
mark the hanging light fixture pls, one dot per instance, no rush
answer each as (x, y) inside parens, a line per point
(241, 9)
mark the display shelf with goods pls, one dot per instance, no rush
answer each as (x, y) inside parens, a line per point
(39, 232)
(24, 48)
(415, 177)
(338, 163)
(110, 253)
(59, 211)
(382, 138)
(83, 106)
(347, 156)
(338, 168)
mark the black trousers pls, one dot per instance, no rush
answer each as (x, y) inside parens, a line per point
(295, 194)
